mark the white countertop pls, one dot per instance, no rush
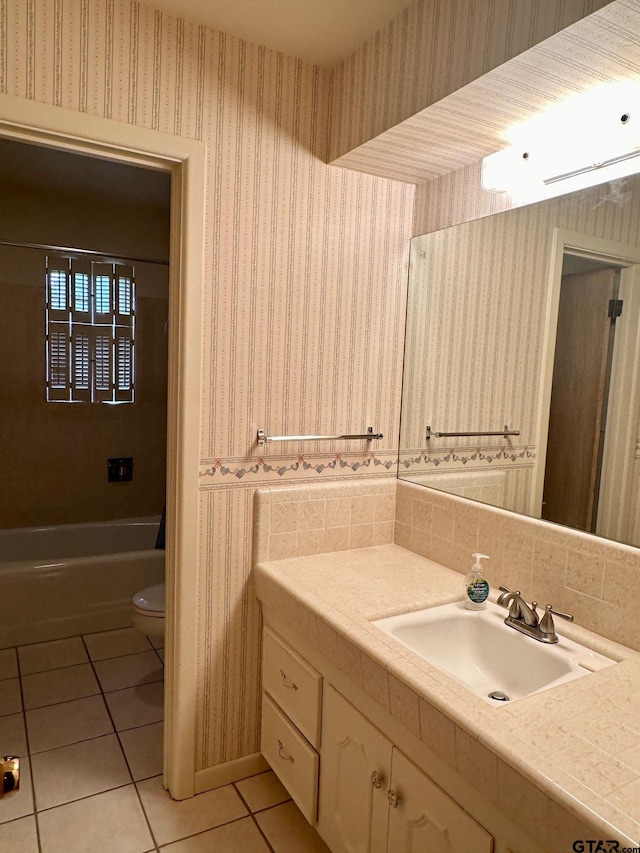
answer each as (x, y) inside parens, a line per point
(575, 746)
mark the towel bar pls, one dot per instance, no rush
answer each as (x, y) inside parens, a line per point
(369, 435)
(505, 432)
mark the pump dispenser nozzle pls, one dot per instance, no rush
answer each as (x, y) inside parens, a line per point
(476, 587)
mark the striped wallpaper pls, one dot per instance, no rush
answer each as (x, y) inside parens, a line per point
(476, 319)
(432, 134)
(454, 198)
(432, 49)
(305, 264)
(305, 275)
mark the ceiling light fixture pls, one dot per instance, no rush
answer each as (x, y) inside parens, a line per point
(593, 138)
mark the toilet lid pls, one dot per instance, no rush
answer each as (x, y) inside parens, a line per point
(150, 600)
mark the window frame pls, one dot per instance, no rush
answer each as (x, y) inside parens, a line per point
(90, 351)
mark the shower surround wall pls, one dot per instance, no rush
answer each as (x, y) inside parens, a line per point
(56, 469)
(305, 274)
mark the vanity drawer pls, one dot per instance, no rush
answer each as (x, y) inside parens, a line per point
(294, 684)
(291, 758)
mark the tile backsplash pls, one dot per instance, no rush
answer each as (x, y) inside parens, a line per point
(592, 578)
(297, 521)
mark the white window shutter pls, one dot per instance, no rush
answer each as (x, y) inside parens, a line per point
(103, 367)
(81, 290)
(103, 292)
(124, 367)
(58, 363)
(81, 367)
(125, 304)
(90, 331)
(58, 295)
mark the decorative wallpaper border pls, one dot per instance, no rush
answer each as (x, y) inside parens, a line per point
(269, 469)
(412, 461)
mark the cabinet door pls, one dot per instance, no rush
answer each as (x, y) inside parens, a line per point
(355, 769)
(423, 817)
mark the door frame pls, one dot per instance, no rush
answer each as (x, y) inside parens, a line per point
(624, 410)
(75, 132)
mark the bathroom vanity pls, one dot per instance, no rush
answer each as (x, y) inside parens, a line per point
(385, 752)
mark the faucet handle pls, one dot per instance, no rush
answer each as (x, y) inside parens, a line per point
(546, 623)
(567, 616)
(515, 611)
(505, 589)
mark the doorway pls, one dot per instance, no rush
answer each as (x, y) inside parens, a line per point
(84, 249)
(67, 130)
(588, 312)
(590, 389)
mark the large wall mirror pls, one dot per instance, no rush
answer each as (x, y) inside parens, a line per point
(526, 324)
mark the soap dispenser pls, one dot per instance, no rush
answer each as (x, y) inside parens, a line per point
(476, 587)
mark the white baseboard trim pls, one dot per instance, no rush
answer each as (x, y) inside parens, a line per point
(230, 771)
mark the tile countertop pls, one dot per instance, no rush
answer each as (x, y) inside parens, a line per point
(575, 746)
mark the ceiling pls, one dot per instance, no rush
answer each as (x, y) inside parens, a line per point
(475, 120)
(322, 32)
(36, 168)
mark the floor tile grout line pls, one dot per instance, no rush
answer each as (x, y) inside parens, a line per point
(135, 782)
(25, 711)
(272, 806)
(52, 704)
(217, 826)
(75, 743)
(85, 797)
(125, 655)
(144, 811)
(124, 754)
(113, 722)
(91, 661)
(102, 694)
(251, 814)
(132, 686)
(86, 648)
(264, 837)
(99, 692)
(38, 811)
(26, 737)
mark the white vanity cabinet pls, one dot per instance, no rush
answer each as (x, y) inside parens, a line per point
(355, 779)
(422, 817)
(374, 800)
(367, 796)
(291, 712)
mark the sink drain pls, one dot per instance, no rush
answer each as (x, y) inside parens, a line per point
(499, 695)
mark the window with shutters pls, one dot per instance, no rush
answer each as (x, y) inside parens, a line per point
(90, 323)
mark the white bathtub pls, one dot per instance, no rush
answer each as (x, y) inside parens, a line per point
(74, 579)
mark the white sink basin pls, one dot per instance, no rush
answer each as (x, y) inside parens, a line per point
(480, 651)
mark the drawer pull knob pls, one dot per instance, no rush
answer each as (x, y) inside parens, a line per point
(292, 685)
(376, 779)
(282, 753)
(394, 802)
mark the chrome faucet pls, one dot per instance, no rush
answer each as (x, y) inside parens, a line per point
(518, 607)
(525, 619)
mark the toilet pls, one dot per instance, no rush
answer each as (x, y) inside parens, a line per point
(148, 611)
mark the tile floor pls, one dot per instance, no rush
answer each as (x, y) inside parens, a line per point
(85, 715)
